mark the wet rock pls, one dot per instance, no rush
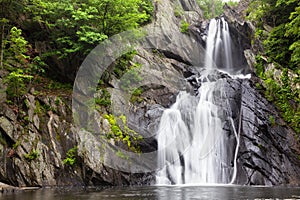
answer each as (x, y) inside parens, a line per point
(4, 188)
(266, 155)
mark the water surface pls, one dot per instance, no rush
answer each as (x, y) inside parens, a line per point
(159, 193)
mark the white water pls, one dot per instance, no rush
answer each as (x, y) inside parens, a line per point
(218, 46)
(193, 148)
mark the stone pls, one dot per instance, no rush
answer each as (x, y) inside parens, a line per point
(2, 92)
(7, 127)
(250, 57)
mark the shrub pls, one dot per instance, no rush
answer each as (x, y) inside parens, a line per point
(31, 155)
(71, 156)
(184, 26)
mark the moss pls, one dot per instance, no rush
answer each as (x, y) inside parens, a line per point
(136, 95)
(57, 101)
(120, 132)
(184, 26)
(121, 155)
(17, 144)
(104, 99)
(31, 155)
(123, 64)
(131, 78)
(178, 12)
(272, 120)
(38, 108)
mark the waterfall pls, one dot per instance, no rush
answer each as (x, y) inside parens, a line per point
(193, 147)
(218, 46)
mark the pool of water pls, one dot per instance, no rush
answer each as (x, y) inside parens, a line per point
(159, 193)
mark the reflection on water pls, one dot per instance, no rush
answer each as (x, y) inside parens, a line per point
(159, 193)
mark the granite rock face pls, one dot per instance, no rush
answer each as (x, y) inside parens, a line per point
(34, 143)
(267, 152)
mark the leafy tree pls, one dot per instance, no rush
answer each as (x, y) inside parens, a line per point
(10, 11)
(214, 8)
(293, 31)
(21, 66)
(72, 28)
(17, 47)
(282, 42)
(211, 8)
(16, 85)
(280, 22)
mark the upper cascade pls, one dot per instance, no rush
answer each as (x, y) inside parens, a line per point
(218, 46)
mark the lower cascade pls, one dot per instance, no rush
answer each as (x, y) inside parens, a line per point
(198, 138)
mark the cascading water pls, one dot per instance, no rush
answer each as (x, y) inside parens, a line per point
(193, 147)
(218, 51)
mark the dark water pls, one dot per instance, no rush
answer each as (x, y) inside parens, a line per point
(160, 193)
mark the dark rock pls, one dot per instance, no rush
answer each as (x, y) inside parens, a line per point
(266, 156)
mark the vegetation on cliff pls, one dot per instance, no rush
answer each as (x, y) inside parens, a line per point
(213, 8)
(42, 41)
(277, 27)
(63, 32)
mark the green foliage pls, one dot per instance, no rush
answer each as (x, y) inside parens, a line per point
(211, 8)
(16, 54)
(12, 9)
(283, 95)
(259, 66)
(293, 32)
(16, 85)
(55, 85)
(71, 156)
(272, 120)
(104, 99)
(31, 155)
(57, 101)
(17, 144)
(63, 31)
(184, 26)
(38, 108)
(178, 11)
(123, 64)
(277, 47)
(131, 78)
(74, 27)
(136, 95)
(121, 155)
(126, 71)
(283, 42)
(232, 3)
(277, 24)
(122, 133)
(21, 67)
(17, 47)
